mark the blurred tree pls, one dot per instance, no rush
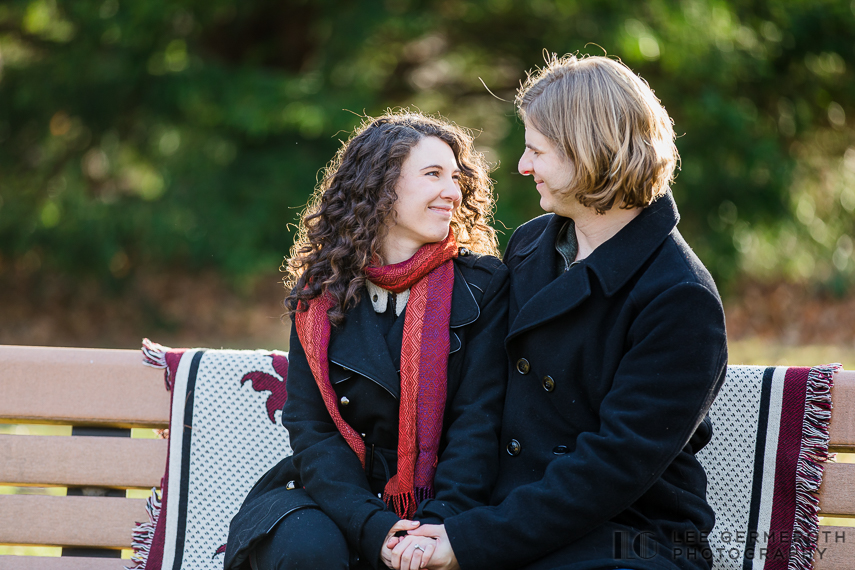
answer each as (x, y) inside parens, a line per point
(137, 136)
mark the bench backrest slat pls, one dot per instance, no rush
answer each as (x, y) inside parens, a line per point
(119, 462)
(835, 548)
(842, 429)
(55, 563)
(837, 492)
(104, 522)
(80, 386)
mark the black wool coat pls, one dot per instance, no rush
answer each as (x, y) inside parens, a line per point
(613, 366)
(364, 369)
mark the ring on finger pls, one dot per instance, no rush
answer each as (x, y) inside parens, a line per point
(419, 547)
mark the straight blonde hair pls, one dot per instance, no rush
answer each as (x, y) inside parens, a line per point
(608, 122)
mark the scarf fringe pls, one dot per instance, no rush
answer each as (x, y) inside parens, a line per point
(143, 534)
(406, 504)
(812, 456)
(423, 494)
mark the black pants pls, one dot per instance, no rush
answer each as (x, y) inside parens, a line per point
(307, 539)
(304, 540)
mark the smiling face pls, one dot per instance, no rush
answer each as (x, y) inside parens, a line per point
(551, 169)
(428, 191)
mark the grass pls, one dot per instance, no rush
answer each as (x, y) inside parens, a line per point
(756, 351)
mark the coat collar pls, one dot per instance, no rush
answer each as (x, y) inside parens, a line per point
(358, 344)
(618, 259)
(541, 297)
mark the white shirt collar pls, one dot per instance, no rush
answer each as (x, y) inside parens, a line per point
(380, 298)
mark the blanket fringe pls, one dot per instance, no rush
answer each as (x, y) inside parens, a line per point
(812, 456)
(154, 355)
(144, 532)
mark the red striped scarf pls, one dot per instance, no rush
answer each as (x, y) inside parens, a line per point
(429, 275)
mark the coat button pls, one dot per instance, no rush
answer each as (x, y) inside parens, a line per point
(514, 448)
(290, 485)
(523, 366)
(344, 401)
(560, 449)
(548, 383)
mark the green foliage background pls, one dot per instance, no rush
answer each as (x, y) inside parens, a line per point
(147, 136)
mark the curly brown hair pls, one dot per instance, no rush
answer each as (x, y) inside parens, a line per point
(347, 217)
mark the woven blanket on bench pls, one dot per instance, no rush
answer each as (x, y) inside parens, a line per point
(764, 463)
(224, 433)
(764, 466)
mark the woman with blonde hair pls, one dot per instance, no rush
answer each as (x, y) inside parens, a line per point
(396, 375)
(616, 342)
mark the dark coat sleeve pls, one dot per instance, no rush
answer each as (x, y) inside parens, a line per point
(468, 466)
(660, 392)
(328, 467)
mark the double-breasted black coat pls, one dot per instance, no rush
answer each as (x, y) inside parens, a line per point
(613, 366)
(364, 371)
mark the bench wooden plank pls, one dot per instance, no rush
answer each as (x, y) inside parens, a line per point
(80, 386)
(837, 492)
(119, 462)
(104, 522)
(58, 563)
(835, 548)
(842, 429)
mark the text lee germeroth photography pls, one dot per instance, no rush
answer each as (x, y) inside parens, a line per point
(745, 545)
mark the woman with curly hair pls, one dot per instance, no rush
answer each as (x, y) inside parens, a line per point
(397, 371)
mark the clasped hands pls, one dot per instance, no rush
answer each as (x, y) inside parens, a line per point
(424, 546)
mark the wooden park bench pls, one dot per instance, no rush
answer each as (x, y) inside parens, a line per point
(102, 394)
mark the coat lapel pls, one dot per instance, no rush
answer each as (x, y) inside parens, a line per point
(617, 260)
(537, 294)
(359, 345)
(556, 298)
(539, 297)
(464, 307)
(535, 270)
